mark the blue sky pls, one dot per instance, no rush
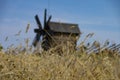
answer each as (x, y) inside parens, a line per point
(99, 16)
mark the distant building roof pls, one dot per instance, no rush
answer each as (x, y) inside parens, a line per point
(64, 27)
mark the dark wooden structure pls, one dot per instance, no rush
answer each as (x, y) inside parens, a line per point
(56, 33)
(61, 33)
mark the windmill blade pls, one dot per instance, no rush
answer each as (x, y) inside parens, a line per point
(38, 22)
(37, 31)
(36, 39)
(45, 17)
(47, 23)
(49, 19)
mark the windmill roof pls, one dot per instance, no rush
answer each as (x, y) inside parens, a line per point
(64, 27)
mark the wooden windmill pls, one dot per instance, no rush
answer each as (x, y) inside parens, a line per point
(55, 33)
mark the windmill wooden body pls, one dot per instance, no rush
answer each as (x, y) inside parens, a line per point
(56, 33)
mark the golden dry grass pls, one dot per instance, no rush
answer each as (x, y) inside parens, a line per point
(55, 64)
(51, 66)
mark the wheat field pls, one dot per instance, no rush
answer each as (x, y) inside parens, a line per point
(51, 66)
(17, 63)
